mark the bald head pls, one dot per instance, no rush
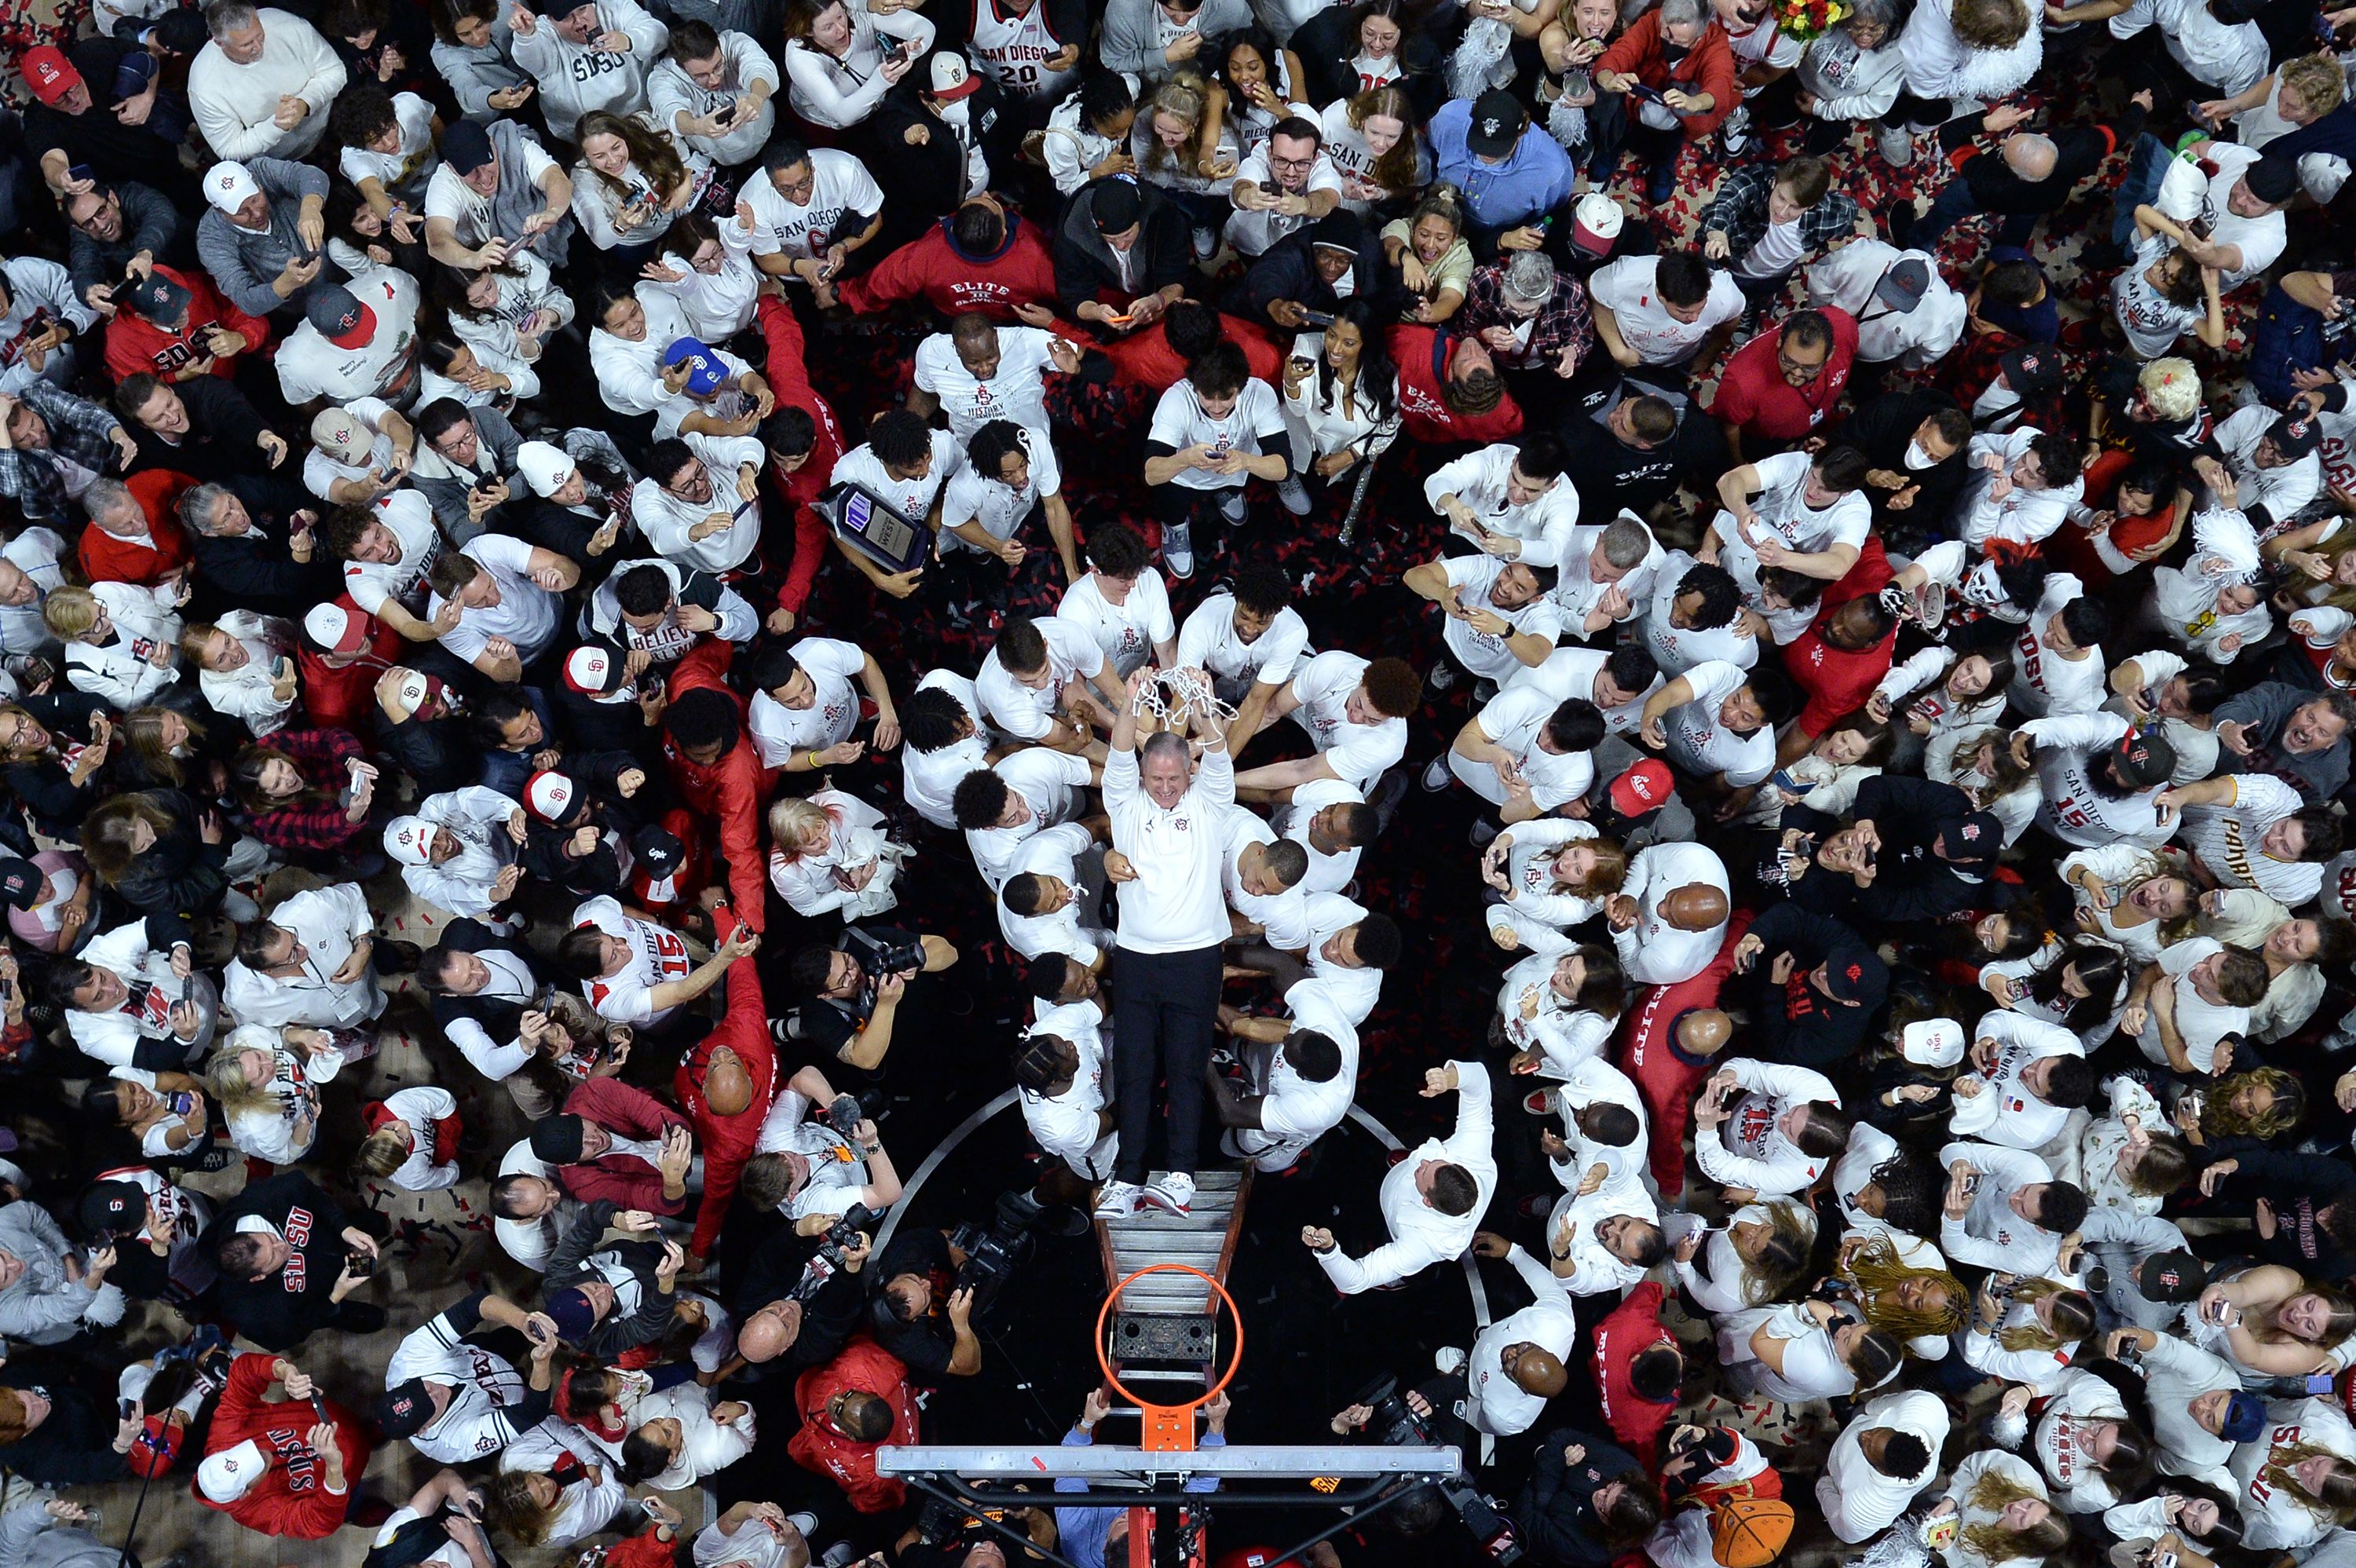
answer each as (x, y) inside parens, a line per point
(1704, 1031)
(770, 1332)
(2032, 156)
(1697, 906)
(727, 1086)
(1537, 1371)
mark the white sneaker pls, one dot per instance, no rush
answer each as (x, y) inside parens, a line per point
(1294, 495)
(1207, 243)
(1449, 1360)
(1178, 550)
(1117, 1201)
(805, 1523)
(1174, 1192)
(1896, 146)
(1438, 777)
(1232, 505)
(1736, 132)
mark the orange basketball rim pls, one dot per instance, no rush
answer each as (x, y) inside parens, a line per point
(1168, 1428)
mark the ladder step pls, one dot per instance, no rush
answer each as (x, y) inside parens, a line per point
(1155, 1374)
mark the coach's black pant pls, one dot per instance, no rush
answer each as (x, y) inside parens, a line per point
(1163, 1007)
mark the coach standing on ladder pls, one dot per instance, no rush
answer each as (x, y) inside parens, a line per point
(1167, 845)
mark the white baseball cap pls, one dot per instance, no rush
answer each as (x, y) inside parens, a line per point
(229, 1474)
(551, 795)
(410, 840)
(335, 628)
(229, 185)
(1932, 1042)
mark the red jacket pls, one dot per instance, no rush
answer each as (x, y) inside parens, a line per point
(105, 559)
(1633, 1327)
(867, 1367)
(788, 374)
(437, 1140)
(1422, 355)
(1664, 1076)
(134, 343)
(953, 282)
(626, 1179)
(1838, 680)
(1709, 67)
(730, 791)
(290, 1498)
(726, 1142)
(1146, 358)
(345, 699)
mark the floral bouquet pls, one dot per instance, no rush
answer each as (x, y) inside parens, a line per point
(1810, 19)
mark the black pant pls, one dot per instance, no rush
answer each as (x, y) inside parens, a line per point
(1163, 1007)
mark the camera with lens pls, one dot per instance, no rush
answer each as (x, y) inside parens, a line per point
(877, 957)
(839, 1238)
(1401, 1427)
(995, 1250)
(940, 1523)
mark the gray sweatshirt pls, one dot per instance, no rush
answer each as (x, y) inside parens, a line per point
(44, 1306)
(474, 74)
(244, 262)
(1132, 35)
(2264, 708)
(29, 1538)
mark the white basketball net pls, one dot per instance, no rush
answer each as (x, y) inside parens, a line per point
(1172, 694)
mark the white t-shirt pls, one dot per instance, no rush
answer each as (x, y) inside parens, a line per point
(972, 497)
(1327, 873)
(2151, 319)
(1255, 425)
(524, 615)
(1016, 390)
(1513, 719)
(2200, 1022)
(1067, 1124)
(1777, 253)
(1127, 632)
(1283, 916)
(1700, 743)
(912, 498)
(310, 367)
(929, 779)
(1783, 510)
(1023, 713)
(1484, 654)
(1251, 233)
(1049, 783)
(1055, 852)
(1625, 289)
(779, 731)
(1208, 641)
(2047, 682)
(2261, 238)
(1358, 754)
(410, 517)
(844, 196)
(1677, 649)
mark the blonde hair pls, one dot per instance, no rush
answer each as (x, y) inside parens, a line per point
(1998, 1544)
(2172, 387)
(2074, 1318)
(793, 822)
(225, 1076)
(383, 1151)
(1876, 1270)
(69, 612)
(2316, 81)
(1173, 97)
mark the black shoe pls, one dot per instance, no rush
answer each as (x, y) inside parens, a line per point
(1902, 224)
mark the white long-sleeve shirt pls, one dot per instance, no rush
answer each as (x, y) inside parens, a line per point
(2021, 516)
(1420, 1234)
(1749, 1149)
(1494, 1402)
(1653, 952)
(1536, 1018)
(1859, 1501)
(1990, 1235)
(1175, 903)
(2004, 1110)
(477, 815)
(235, 106)
(1479, 480)
(839, 93)
(667, 520)
(248, 693)
(329, 923)
(112, 1038)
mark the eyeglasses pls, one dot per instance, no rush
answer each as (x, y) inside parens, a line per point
(1806, 372)
(1293, 164)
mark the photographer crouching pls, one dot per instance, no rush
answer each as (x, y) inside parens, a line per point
(856, 984)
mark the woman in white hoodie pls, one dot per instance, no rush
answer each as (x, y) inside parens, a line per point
(708, 269)
(679, 1437)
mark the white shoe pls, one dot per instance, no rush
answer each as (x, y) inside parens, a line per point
(1438, 777)
(1117, 1201)
(1178, 550)
(1172, 1191)
(1233, 508)
(1206, 244)
(1736, 131)
(1896, 146)
(1294, 495)
(805, 1523)
(1449, 1360)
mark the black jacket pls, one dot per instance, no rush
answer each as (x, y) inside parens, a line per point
(1328, 42)
(1911, 882)
(499, 1017)
(1794, 1022)
(1084, 264)
(1881, 429)
(181, 878)
(75, 1445)
(1640, 479)
(438, 752)
(223, 430)
(280, 1310)
(2078, 152)
(1556, 1509)
(928, 179)
(258, 571)
(570, 1265)
(829, 1318)
(2298, 1186)
(1288, 271)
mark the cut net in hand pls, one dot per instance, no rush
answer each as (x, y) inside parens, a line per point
(1174, 694)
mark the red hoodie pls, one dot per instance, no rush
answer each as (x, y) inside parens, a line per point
(1633, 1327)
(1146, 358)
(345, 697)
(1664, 1076)
(290, 1498)
(1423, 355)
(866, 1366)
(727, 1142)
(788, 374)
(134, 343)
(1838, 680)
(105, 559)
(629, 1181)
(954, 282)
(732, 790)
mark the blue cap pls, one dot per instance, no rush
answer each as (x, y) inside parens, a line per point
(2245, 1417)
(705, 371)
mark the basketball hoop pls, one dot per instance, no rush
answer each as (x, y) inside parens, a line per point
(1189, 692)
(1168, 1428)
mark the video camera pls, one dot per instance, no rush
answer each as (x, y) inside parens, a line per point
(839, 1238)
(994, 1250)
(1401, 1427)
(940, 1523)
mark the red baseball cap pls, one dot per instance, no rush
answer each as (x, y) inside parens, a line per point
(1644, 788)
(49, 74)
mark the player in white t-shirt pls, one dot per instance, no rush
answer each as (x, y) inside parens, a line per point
(386, 549)
(1001, 807)
(1696, 616)
(1121, 603)
(978, 371)
(1249, 641)
(1054, 880)
(1355, 712)
(1213, 432)
(1010, 471)
(1499, 617)
(1066, 1088)
(811, 208)
(504, 596)
(947, 740)
(805, 706)
(1332, 821)
(1525, 753)
(1805, 512)
(1718, 724)
(1617, 682)
(2057, 659)
(1301, 1079)
(1660, 310)
(1047, 682)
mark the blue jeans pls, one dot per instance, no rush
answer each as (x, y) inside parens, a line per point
(2147, 167)
(1952, 205)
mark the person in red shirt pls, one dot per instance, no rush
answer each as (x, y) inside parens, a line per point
(805, 443)
(133, 533)
(1449, 388)
(281, 1466)
(1781, 385)
(1639, 1371)
(851, 1407)
(578, 1142)
(1157, 358)
(979, 258)
(1703, 68)
(1670, 1039)
(175, 325)
(342, 653)
(1846, 650)
(726, 1085)
(716, 771)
